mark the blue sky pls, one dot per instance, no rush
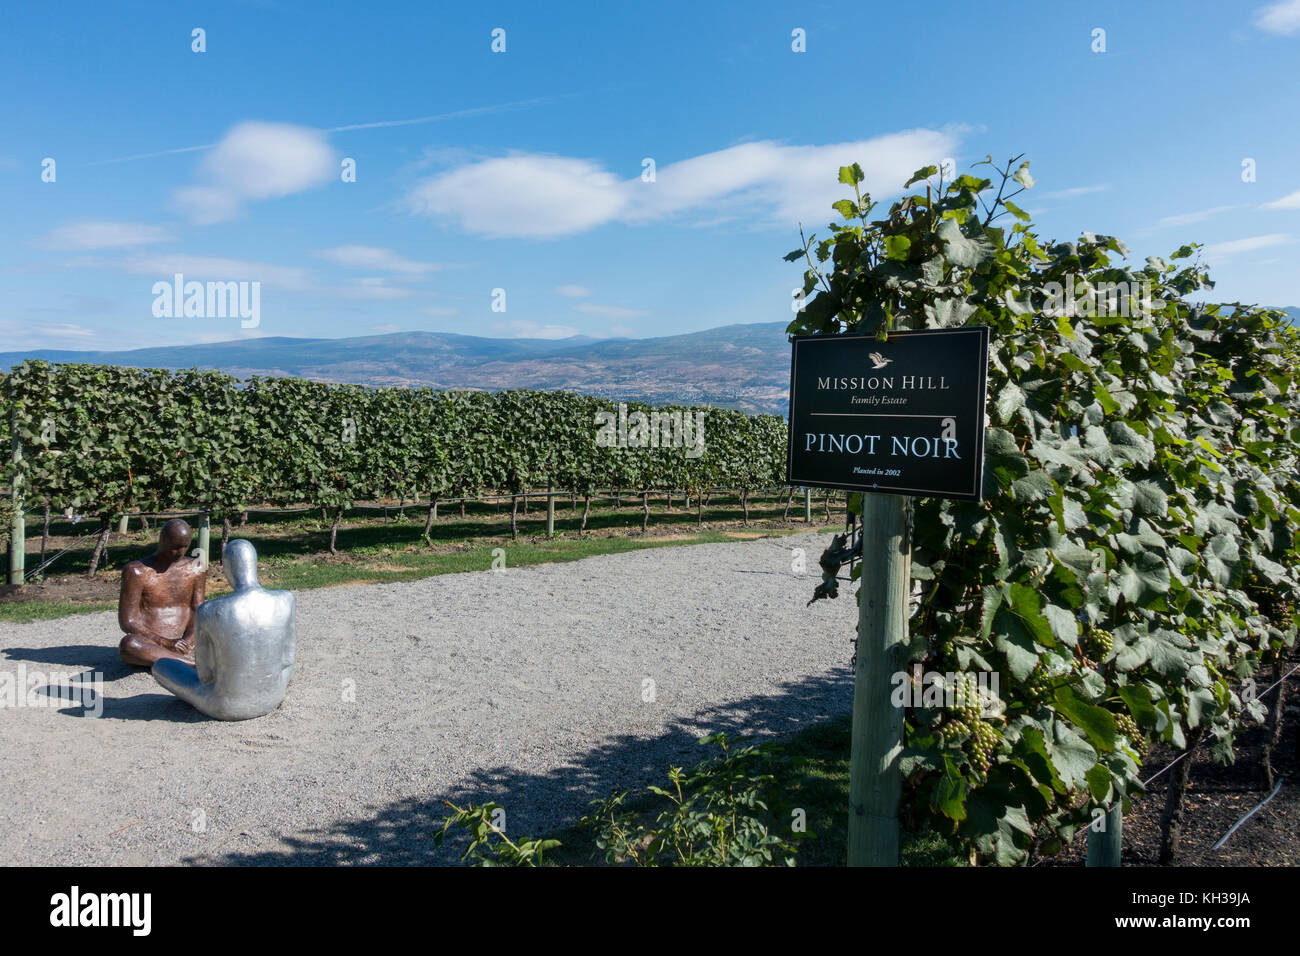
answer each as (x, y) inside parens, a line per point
(522, 170)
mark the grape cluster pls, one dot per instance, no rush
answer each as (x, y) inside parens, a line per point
(983, 741)
(1039, 684)
(967, 698)
(952, 731)
(965, 721)
(1098, 644)
(1127, 726)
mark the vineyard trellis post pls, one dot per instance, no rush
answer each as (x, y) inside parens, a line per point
(1104, 844)
(45, 534)
(204, 534)
(18, 529)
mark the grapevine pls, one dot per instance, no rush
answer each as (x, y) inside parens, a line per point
(1135, 555)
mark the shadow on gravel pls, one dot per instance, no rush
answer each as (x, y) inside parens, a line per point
(89, 657)
(401, 834)
(163, 707)
(86, 662)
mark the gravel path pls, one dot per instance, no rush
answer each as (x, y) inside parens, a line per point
(525, 686)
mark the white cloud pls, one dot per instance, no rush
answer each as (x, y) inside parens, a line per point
(443, 156)
(376, 289)
(521, 329)
(785, 184)
(1074, 192)
(203, 268)
(572, 291)
(66, 330)
(1187, 218)
(387, 329)
(17, 335)
(1282, 18)
(714, 221)
(268, 160)
(205, 205)
(381, 124)
(377, 258)
(610, 311)
(79, 304)
(46, 266)
(532, 195)
(1219, 251)
(1289, 201)
(81, 236)
(257, 161)
(21, 335)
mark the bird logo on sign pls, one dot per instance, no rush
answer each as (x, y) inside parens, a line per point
(878, 360)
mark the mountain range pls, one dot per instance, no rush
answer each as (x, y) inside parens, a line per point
(733, 366)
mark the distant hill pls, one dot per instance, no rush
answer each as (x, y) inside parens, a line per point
(734, 366)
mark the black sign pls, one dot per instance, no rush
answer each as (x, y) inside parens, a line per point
(905, 416)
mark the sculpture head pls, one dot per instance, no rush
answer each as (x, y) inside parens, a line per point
(239, 560)
(174, 541)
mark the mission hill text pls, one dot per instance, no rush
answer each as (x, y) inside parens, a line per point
(906, 382)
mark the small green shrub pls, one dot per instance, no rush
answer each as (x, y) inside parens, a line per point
(482, 823)
(717, 814)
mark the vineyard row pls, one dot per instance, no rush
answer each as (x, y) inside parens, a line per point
(105, 440)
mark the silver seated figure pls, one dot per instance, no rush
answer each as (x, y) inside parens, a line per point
(244, 646)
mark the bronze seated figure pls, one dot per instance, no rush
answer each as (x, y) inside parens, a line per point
(159, 597)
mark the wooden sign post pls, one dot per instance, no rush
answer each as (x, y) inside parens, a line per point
(18, 528)
(874, 779)
(893, 419)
